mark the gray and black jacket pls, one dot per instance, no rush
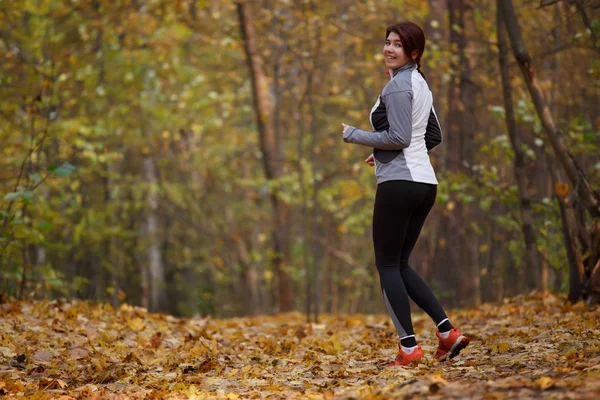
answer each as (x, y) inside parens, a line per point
(405, 127)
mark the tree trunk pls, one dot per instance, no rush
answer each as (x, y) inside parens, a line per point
(316, 253)
(494, 270)
(305, 223)
(532, 260)
(249, 277)
(460, 134)
(156, 273)
(575, 265)
(577, 178)
(446, 258)
(271, 155)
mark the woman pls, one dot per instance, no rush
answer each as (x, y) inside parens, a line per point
(405, 129)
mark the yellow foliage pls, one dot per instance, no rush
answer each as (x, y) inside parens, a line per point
(284, 357)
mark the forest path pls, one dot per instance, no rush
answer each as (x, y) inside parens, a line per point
(534, 347)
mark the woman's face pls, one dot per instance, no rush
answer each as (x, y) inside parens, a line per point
(394, 54)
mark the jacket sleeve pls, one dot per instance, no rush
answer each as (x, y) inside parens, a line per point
(433, 132)
(398, 135)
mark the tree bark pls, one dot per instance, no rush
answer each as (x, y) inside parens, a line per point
(532, 260)
(460, 134)
(156, 271)
(566, 218)
(271, 155)
(316, 253)
(577, 178)
(434, 34)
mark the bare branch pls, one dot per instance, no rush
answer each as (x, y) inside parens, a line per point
(586, 22)
(347, 258)
(546, 3)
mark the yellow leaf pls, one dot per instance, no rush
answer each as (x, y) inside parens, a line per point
(498, 348)
(333, 346)
(136, 324)
(571, 354)
(71, 313)
(561, 189)
(545, 382)
(245, 370)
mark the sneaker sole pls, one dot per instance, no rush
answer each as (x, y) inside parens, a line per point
(417, 361)
(456, 348)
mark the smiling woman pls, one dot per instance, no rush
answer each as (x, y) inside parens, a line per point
(405, 129)
(394, 52)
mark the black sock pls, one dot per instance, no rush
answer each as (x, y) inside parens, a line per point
(445, 326)
(409, 341)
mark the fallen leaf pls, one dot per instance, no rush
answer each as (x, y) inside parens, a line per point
(7, 352)
(51, 384)
(77, 353)
(499, 348)
(43, 356)
(545, 382)
(136, 324)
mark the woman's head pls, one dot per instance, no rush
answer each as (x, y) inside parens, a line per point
(404, 42)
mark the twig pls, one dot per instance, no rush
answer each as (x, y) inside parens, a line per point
(340, 254)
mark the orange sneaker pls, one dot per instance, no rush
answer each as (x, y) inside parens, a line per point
(404, 359)
(452, 345)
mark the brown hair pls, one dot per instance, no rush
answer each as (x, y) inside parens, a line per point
(412, 39)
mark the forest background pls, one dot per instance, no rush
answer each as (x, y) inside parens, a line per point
(187, 156)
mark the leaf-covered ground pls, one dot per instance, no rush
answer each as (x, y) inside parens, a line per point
(526, 348)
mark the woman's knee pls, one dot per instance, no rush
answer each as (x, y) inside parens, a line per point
(388, 267)
(404, 265)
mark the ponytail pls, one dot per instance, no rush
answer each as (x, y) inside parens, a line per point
(419, 69)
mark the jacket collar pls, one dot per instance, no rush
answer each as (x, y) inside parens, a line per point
(408, 66)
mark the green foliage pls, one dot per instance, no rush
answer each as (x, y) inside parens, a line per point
(92, 93)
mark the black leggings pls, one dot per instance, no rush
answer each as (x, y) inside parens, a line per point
(400, 211)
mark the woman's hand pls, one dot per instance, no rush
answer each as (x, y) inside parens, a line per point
(369, 160)
(345, 128)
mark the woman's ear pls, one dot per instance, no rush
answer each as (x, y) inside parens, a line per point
(415, 55)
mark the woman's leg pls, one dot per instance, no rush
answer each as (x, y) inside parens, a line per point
(451, 340)
(394, 205)
(416, 287)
